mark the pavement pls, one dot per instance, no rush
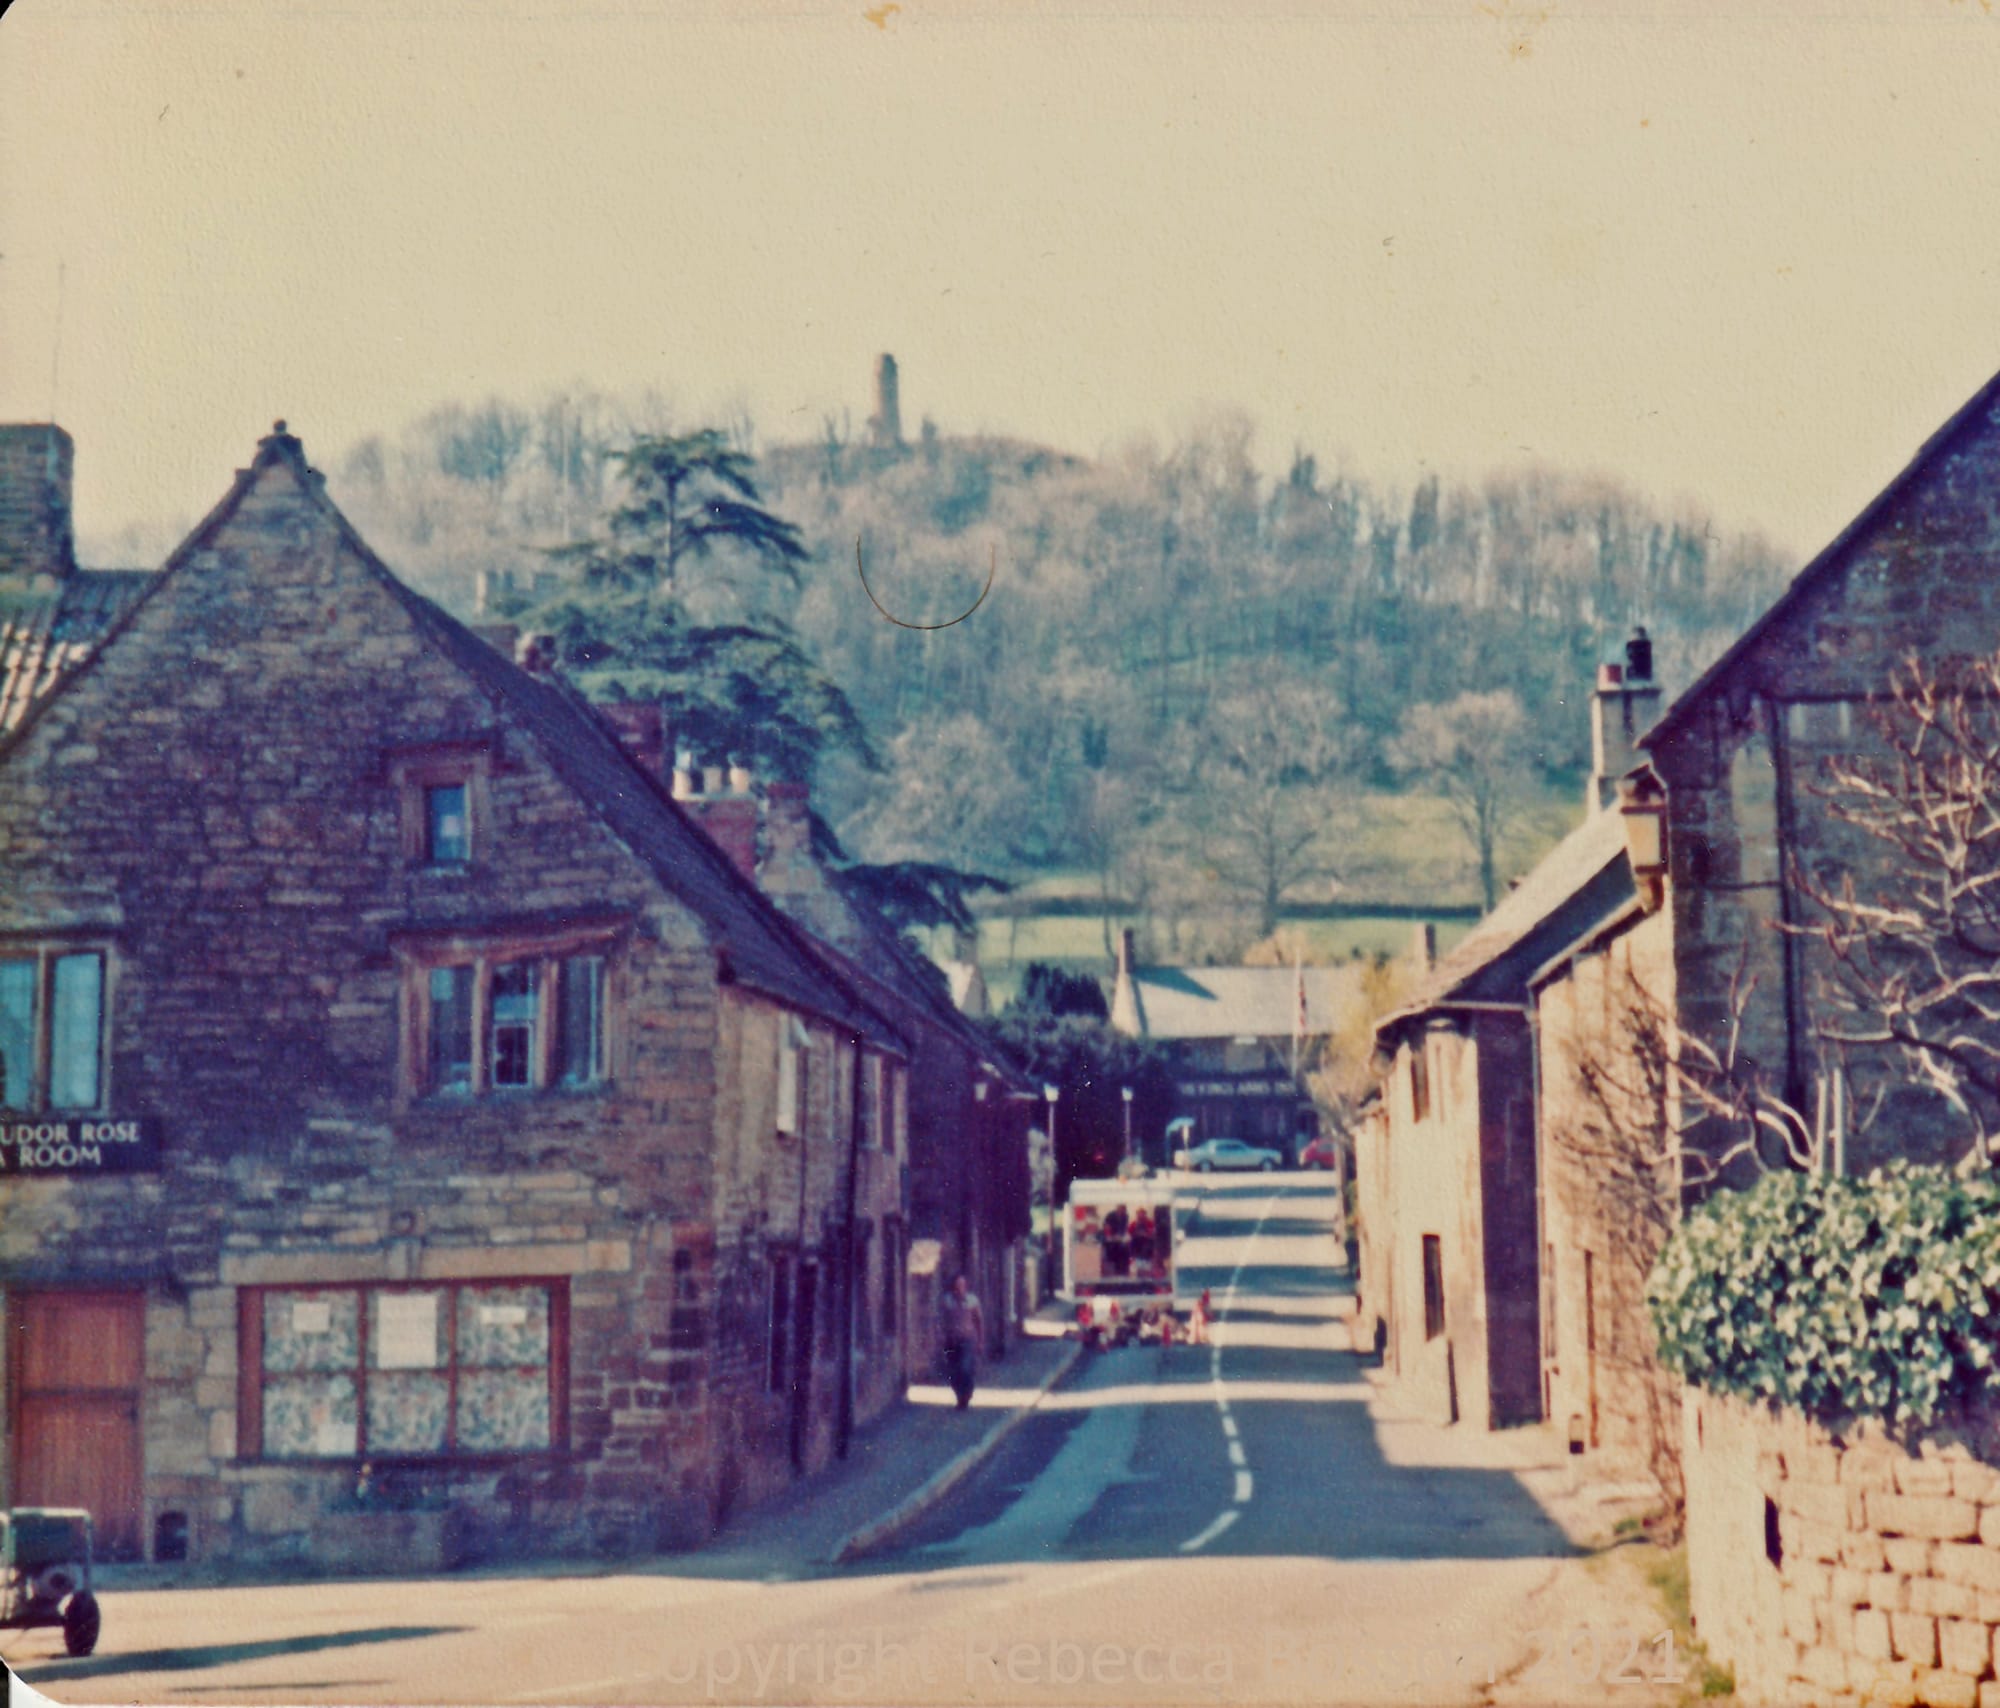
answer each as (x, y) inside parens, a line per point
(1254, 1521)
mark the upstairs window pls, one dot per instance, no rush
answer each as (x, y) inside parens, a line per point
(443, 801)
(507, 1020)
(447, 828)
(1420, 1080)
(51, 1030)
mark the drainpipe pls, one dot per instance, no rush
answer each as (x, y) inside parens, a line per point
(844, 1427)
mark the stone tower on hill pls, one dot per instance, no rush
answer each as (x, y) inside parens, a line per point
(885, 426)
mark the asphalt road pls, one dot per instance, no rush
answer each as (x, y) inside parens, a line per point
(1225, 1523)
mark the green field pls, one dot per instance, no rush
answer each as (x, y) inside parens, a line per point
(1407, 856)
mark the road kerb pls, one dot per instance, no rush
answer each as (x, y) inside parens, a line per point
(872, 1535)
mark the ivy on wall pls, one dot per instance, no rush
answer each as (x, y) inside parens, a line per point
(1844, 1299)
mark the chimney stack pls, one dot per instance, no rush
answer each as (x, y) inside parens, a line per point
(642, 732)
(724, 803)
(1626, 701)
(36, 535)
(1424, 949)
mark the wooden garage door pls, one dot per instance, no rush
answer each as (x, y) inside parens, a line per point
(78, 1361)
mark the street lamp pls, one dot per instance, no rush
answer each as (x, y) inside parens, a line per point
(1051, 1092)
(1643, 806)
(1125, 1091)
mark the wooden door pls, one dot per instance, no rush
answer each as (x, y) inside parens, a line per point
(78, 1362)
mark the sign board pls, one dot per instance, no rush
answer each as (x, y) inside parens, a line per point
(406, 1331)
(74, 1145)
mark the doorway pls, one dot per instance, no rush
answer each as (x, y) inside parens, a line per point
(77, 1363)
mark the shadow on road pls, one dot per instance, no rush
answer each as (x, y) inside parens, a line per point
(225, 1654)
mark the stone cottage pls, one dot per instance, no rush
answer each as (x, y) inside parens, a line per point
(417, 1135)
(966, 1106)
(1455, 1251)
(1742, 755)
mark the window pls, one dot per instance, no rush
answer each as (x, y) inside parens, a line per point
(52, 1030)
(443, 799)
(1433, 1287)
(580, 1020)
(892, 1274)
(516, 1008)
(446, 1371)
(794, 1075)
(1420, 1080)
(507, 1021)
(447, 829)
(778, 1341)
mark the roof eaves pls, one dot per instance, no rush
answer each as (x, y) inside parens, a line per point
(1808, 579)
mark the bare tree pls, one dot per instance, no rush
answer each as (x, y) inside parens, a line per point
(1911, 927)
(1474, 750)
(1265, 790)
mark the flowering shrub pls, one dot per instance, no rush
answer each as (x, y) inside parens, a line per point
(1841, 1298)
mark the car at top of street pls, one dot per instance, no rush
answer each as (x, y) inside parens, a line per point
(1321, 1153)
(1212, 1154)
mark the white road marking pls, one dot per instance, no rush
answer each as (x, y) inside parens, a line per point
(1194, 1544)
(1245, 1483)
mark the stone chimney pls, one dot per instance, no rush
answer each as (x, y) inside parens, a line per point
(1424, 949)
(36, 535)
(642, 732)
(885, 427)
(1626, 701)
(1127, 959)
(725, 805)
(536, 654)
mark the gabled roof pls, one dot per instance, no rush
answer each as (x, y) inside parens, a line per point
(1581, 882)
(758, 946)
(1234, 1002)
(1939, 445)
(43, 634)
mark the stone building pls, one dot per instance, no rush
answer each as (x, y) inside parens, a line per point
(968, 1107)
(418, 1136)
(1741, 756)
(1456, 1240)
(1234, 1039)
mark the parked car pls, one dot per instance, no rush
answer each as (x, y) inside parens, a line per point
(1321, 1153)
(45, 1560)
(1212, 1154)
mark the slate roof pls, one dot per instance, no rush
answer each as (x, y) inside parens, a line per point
(1940, 444)
(43, 634)
(1235, 1002)
(1578, 885)
(759, 947)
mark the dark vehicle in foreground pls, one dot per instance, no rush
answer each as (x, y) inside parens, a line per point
(45, 1558)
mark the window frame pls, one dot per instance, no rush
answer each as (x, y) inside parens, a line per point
(45, 953)
(598, 943)
(414, 772)
(1434, 1308)
(250, 1371)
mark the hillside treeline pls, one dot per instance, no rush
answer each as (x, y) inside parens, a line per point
(1141, 601)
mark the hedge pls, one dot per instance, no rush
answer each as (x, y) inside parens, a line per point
(1845, 1299)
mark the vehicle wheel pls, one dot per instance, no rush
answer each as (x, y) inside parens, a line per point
(1204, 1168)
(81, 1621)
(1266, 1167)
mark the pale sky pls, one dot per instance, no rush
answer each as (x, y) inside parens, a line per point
(1744, 253)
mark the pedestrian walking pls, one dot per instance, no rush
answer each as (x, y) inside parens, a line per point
(962, 1326)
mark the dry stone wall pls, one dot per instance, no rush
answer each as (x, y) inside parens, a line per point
(1836, 1568)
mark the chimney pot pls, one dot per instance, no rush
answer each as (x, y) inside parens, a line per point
(535, 652)
(684, 784)
(740, 780)
(1639, 656)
